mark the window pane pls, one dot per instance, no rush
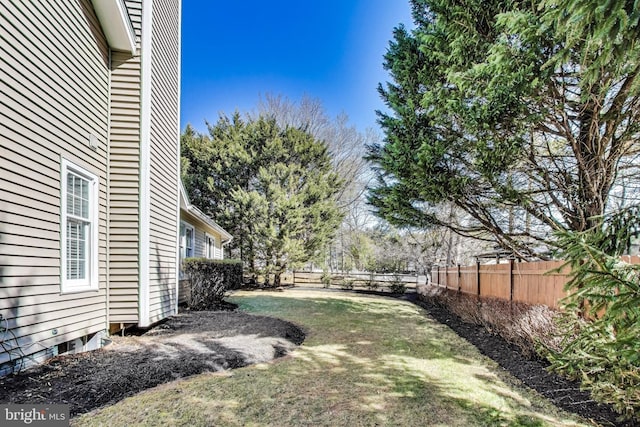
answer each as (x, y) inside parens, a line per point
(211, 245)
(70, 199)
(84, 209)
(189, 242)
(81, 269)
(82, 242)
(85, 190)
(72, 268)
(78, 194)
(77, 183)
(85, 199)
(77, 249)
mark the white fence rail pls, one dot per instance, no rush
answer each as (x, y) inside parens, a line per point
(353, 280)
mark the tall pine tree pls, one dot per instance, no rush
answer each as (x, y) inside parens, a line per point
(274, 189)
(506, 110)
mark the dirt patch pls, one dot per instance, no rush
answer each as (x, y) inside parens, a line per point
(531, 370)
(187, 344)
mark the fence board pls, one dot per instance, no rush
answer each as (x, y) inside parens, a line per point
(468, 282)
(495, 281)
(533, 284)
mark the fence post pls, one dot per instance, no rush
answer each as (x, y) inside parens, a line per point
(511, 261)
(438, 275)
(294, 277)
(458, 278)
(478, 276)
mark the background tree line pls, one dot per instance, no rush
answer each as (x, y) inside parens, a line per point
(289, 183)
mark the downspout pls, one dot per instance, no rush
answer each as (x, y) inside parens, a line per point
(223, 243)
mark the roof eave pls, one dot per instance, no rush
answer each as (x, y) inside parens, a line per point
(116, 24)
(186, 205)
(204, 218)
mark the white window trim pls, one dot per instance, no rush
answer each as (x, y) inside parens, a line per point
(193, 242)
(91, 282)
(182, 249)
(210, 251)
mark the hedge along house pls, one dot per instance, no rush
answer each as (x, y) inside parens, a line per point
(89, 172)
(200, 237)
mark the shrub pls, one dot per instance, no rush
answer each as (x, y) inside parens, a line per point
(210, 279)
(605, 351)
(346, 284)
(530, 327)
(325, 279)
(397, 286)
(371, 284)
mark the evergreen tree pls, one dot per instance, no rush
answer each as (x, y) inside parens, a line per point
(274, 189)
(523, 115)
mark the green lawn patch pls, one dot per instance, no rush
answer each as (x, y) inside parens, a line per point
(366, 361)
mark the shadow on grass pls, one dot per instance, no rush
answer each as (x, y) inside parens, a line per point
(401, 390)
(360, 365)
(418, 367)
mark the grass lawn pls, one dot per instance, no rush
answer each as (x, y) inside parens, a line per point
(367, 361)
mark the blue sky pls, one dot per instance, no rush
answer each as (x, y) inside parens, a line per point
(235, 51)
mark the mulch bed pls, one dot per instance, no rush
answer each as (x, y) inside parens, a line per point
(187, 344)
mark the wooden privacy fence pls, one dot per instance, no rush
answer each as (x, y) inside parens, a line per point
(527, 282)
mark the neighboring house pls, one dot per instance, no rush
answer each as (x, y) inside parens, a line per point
(200, 237)
(89, 172)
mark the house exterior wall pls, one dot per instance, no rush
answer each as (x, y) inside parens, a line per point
(124, 169)
(54, 87)
(164, 158)
(68, 101)
(201, 228)
(144, 167)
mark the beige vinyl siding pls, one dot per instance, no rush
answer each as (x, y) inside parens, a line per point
(124, 161)
(164, 143)
(200, 228)
(54, 82)
(199, 243)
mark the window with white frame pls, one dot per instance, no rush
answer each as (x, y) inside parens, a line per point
(79, 229)
(187, 242)
(210, 246)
